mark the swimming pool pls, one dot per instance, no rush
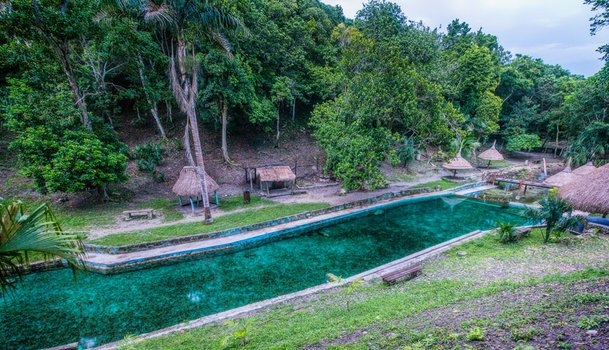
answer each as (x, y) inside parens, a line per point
(52, 308)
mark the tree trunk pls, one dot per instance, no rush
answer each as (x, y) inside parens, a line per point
(277, 131)
(556, 145)
(79, 98)
(224, 107)
(62, 49)
(293, 110)
(152, 104)
(185, 86)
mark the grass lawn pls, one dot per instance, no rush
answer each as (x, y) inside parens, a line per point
(442, 183)
(220, 223)
(482, 294)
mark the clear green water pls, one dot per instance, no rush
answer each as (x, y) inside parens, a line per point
(53, 308)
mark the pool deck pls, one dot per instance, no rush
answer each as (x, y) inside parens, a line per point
(101, 261)
(113, 263)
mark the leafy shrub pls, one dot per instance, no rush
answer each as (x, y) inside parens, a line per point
(555, 213)
(475, 334)
(69, 161)
(507, 232)
(523, 142)
(148, 157)
(593, 321)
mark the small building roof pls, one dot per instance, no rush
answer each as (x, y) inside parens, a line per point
(491, 154)
(457, 163)
(584, 169)
(188, 183)
(589, 192)
(562, 178)
(281, 173)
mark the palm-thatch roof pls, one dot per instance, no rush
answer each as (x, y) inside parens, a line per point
(281, 173)
(188, 183)
(457, 163)
(584, 169)
(589, 192)
(562, 178)
(491, 154)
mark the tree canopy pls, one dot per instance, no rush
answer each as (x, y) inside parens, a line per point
(373, 89)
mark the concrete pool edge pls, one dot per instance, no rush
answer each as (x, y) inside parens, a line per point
(370, 276)
(118, 263)
(389, 196)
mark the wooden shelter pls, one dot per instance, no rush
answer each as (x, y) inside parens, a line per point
(589, 192)
(584, 169)
(491, 154)
(275, 177)
(457, 163)
(562, 178)
(188, 185)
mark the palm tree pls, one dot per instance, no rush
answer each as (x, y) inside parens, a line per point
(37, 232)
(555, 213)
(179, 23)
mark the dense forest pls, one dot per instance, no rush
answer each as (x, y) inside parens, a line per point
(377, 88)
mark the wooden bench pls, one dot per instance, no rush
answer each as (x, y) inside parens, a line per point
(130, 214)
(404, 273)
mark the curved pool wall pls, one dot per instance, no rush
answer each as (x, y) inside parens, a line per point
(51, 308)
(267, 237)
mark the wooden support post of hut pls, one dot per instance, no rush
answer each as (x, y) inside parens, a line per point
(188, 185)
(275, 176)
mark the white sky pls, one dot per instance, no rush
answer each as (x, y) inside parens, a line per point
(557, 31)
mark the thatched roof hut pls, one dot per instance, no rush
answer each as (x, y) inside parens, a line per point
(281, 173)
(584, 169)
(562, 178)
(457, 163)
(188, 183)
(491, 154)
(589, 192)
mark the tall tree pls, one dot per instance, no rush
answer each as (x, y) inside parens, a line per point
(63, 26)
(180, 25)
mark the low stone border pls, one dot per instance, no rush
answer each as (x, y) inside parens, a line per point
(237, 230)
(372, 276)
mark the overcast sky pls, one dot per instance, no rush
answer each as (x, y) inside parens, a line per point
(557, 31)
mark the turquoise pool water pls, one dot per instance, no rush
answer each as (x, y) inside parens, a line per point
(52, 308)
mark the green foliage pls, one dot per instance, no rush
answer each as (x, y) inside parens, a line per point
(238, 330)
(592, 321)
(555, 213)
(149, 156)
(71, 161)
(36, 232)
(591, 143)
(523, 142)
(507, 232)
(475, 334)
(224, 222)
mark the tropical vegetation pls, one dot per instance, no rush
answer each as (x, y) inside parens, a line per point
(38, 232)
(373, 89)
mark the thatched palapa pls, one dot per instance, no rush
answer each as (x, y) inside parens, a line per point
(589, 192)
(562, 178)
(457, 163)
(281, 173)
(584, 169)
(188, 183)
(491, 154)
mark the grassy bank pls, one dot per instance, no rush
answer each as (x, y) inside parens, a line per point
(483, 294)
(220, 223)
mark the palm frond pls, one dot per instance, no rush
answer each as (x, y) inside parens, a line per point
(38, 231)
(161, 15)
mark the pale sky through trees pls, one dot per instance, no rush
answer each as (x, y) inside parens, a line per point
(556, 31)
